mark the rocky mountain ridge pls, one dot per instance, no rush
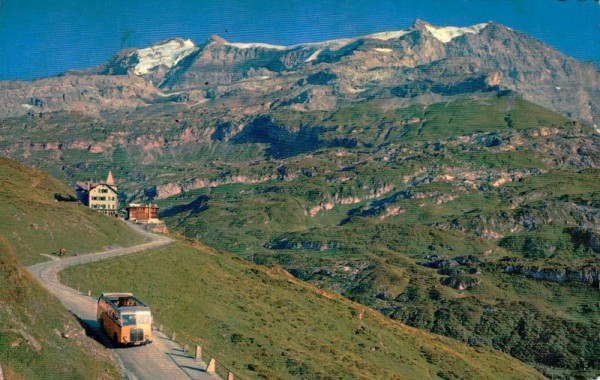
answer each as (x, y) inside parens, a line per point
(420, 64)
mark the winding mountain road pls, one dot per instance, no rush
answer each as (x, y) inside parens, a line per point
(163, 359)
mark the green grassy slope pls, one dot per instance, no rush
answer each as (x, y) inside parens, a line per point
(263, 323)
(34, 222)
(39, 339)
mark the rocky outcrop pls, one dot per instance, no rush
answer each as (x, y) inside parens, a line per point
(589, 274)
(170, 189)
(455, 266)
(460, 282)
(309, 245)
(586, 237)
(337, 199)
(88, 95)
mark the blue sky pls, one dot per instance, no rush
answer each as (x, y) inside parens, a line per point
(42, 37)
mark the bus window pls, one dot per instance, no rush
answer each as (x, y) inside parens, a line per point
(128, 319)
(144, 318)
(137, 318)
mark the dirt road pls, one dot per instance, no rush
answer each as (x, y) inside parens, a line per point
(163, 359)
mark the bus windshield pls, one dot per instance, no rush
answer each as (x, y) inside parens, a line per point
(136, 319)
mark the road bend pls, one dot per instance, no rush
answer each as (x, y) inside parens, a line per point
(162, 359)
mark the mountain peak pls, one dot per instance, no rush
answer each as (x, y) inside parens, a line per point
(215, 38)
(419, 24)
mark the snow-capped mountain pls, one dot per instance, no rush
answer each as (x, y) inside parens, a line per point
(422, 63)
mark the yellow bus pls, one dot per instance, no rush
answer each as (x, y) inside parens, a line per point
(125, 319)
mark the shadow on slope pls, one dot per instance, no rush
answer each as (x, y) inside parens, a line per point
(197, 205)
(285, 143)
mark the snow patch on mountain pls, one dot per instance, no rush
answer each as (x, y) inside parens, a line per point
(167, 53)
(314, 56)
(384, 36)
(444, 34)
(331, 44)
(383, 50)
(447, 33)
(255, 45)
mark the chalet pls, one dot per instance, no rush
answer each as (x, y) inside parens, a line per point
(146, 215)
(143, 213)
(101, 196)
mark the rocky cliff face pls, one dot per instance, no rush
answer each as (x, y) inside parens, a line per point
(89, 95)
(589, 274)
(421, 64)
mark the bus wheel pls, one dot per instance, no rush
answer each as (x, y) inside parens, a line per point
(115, 340)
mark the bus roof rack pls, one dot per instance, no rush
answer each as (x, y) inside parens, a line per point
(116, 295)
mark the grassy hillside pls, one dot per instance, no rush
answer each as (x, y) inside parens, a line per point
(34, 222)
(263, 323)
(39, 339)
